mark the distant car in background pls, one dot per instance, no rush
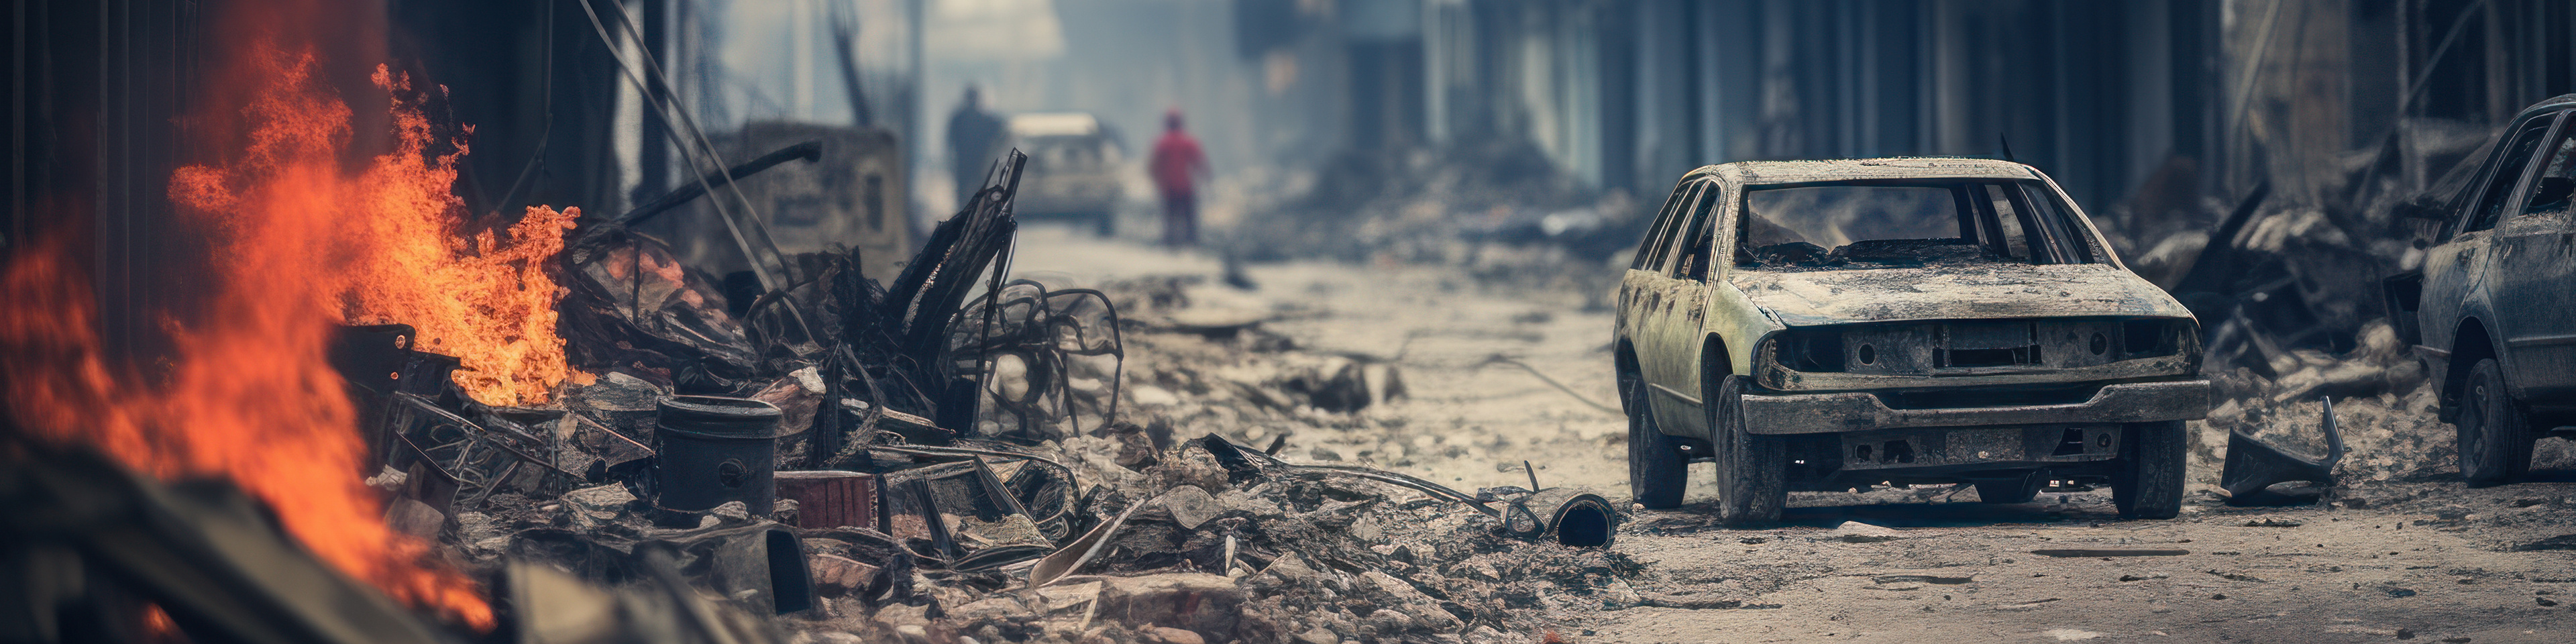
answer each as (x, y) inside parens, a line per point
(1073, 173)
(2488, 311)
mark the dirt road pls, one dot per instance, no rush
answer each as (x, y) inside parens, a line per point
(2407, 553)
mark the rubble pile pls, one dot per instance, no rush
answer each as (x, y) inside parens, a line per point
(949, 457)
(1215, 365)
(1497, 209)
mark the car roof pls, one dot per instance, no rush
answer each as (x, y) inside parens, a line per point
(1055, 124)
(2555, 102)
(1777, 172)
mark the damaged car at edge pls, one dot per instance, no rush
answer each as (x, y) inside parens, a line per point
(1827, 325)
(2486, 304)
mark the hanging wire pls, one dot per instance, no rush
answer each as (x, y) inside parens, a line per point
(701, 154)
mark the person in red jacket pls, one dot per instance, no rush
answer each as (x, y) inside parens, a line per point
(1176, 166)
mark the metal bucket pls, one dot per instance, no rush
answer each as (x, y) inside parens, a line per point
(716, 449)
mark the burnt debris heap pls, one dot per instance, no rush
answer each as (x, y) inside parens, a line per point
(887, 457)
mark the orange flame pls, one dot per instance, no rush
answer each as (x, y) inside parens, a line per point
(488, 302)
(298, 245)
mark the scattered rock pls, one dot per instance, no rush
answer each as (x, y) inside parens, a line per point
(1423, 610)
(840, 573)
(998, 607)
(1190, 505)
(1195, 601)
(414, 518)
(731, 512)
(2560, 542)
(1857, 532)
(1168, 635)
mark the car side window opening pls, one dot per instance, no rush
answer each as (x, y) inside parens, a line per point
(1697, 243)
(1650, 252)
(1887, 224)
(2552, 189)
(2037, 210)
(1998, 211)
(1662, 255)
(2516, 157)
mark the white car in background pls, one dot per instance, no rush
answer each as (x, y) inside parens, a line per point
(1073, 172)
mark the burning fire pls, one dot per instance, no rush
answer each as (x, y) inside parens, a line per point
(405, 257)
(299, 244)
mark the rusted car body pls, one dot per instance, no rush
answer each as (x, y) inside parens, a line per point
(1823, 325)
(2489, 308)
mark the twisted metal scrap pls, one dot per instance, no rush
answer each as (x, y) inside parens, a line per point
(1051, 331)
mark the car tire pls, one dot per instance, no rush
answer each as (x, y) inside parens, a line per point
(1752, 469)
(1656, 471)
(2149, 480)
(2020, 490)
(2495, 438)
(1106, 223)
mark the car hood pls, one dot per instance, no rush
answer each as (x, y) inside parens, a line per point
(1803, 298)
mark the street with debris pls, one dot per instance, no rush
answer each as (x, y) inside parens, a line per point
(1293, 321)
(2405, 551)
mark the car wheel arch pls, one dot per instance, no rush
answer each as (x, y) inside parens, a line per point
(1714, 359)
(2470, 342)
(1625, 370)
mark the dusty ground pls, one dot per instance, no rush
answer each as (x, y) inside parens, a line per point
(2407, 553)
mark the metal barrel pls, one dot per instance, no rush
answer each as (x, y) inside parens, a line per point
(716, 449)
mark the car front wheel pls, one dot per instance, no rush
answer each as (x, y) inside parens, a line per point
(1656, 470)
(1752, 469)
(2148, 482)
(2495, 439)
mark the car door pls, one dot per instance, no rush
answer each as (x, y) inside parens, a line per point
(2458, 266)
(1683, 289)
(1636, 286)
(2530, 272)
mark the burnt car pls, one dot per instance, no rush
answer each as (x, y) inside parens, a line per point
(1825, 325)
(2488, 308)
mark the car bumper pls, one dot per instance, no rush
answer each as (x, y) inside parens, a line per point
(1817, 413)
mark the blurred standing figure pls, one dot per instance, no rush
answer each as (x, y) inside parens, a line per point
(1176, 166)
(972, 133)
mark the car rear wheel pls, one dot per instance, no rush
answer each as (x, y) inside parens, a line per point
(1752, 469)
(1106, 223)
(2148, 481)
(1656, 471)
(2020, 490)
(2495, 438)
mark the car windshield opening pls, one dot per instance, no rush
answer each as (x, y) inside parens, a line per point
(1895, 224)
